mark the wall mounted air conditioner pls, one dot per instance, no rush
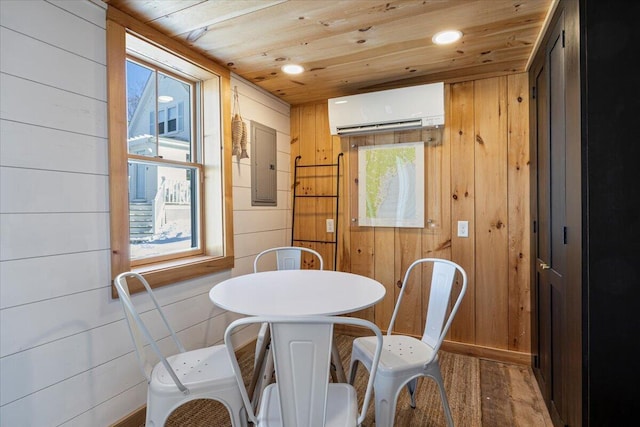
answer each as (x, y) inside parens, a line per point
(388, 110)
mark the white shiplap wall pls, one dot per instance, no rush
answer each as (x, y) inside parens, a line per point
(65, 354)
(260, 227)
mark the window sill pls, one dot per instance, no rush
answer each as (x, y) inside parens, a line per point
(169, 272)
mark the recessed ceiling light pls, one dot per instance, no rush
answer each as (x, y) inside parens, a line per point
(446, 37)
(292, 68)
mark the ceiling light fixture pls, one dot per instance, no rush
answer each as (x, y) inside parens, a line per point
(165, 98)
(446, 37)
(292, 69)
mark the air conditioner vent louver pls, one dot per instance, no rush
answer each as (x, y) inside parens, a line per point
(390, 110)
(379, 127)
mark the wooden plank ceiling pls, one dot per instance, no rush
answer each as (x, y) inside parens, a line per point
(350, 47)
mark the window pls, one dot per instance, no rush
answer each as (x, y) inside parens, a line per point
(164, 186)
(170, 218)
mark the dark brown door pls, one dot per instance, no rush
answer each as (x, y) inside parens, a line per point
(551, 225)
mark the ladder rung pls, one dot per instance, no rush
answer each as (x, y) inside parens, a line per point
(315, 241)
(316, 166)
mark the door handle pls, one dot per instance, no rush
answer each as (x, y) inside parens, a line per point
(544, 266)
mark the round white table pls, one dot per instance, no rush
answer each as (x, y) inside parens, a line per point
(296, 293)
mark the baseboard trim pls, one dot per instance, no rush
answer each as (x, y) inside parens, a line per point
(496, 354)
(134, 419)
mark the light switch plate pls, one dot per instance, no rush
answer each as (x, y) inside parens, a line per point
(330, 228)
(463, 228)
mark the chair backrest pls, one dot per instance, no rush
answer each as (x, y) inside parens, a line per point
(302, 357)
(439, 317)
(288, 257)
(139, 331)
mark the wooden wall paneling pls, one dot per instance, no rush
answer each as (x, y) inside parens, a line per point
(385, 273)
(492, 281)
(36, 66)
(363, 261)
(410, 318)
(52, 107)
(340, 216)
(344, 260)
(384, 257)
(25, 371)
(81, 395)
(306, 183)
(460, 129)
(351, 145)
(408, 248)
(477, 180)
(519, 213)
(296, 128)
(436, 234)
(41, 278)
(352, 164)
(53, 24)
(294, 148)
(349, 202)
(245, 244)
(325, 183)
(53, 194)
(260, 221)
(324, 143)
(350, 198)
(89, 151)
(259, 106)
(407, 136)
(47, 234)
(362, 239)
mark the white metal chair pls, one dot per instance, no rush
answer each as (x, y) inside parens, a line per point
(287, 258)
(405, 358)
(204, 373)
(303, 395)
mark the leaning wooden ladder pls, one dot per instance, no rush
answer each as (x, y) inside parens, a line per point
(335, 196)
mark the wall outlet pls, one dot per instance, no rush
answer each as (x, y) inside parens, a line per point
(463, 228)
(330, 228)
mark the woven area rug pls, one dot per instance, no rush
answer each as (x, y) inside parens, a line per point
(461, 375)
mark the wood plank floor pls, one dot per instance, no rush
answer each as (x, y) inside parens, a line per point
(482, 393)
(510, 396)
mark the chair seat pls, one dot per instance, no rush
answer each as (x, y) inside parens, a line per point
(399, 353)
(338, 414)
(197, 369)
